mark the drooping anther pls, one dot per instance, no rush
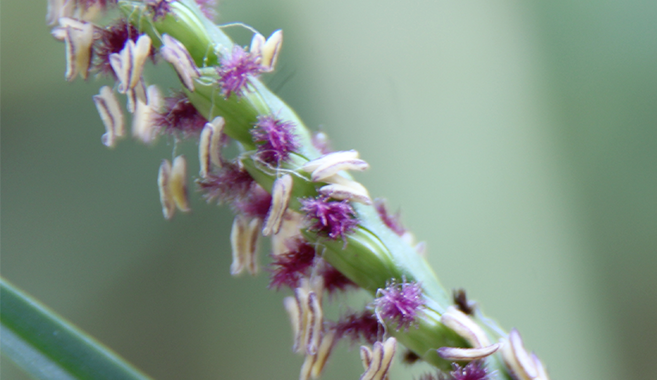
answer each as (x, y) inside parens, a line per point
(377, 361)
(173, 189)
(461, 354)
(341, 188)
(267, 50)
(522, 365)
(111, 115)
(145, 111)
(73, 9)
(176, 54)
(332, 163)
(465, 327)
(78, 36)
(290, 226)
(244, 243)
(129, 63)
(305, 311)
(209, 149)
(314, 364)
(281, 194)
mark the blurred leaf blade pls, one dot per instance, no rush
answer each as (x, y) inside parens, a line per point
(48, 347)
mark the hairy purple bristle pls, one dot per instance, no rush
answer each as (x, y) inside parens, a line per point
(289, 267)
(179, 115)
(275, 139)
(334, 280)
(112, 40)
(227, 184)
(399, 303)
(333, 218)
(359, 327)
(474, 370)
(235, 71)
(392, 221)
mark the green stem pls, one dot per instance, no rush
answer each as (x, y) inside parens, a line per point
(49, 347)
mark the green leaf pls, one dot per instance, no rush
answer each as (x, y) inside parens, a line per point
(48, 347)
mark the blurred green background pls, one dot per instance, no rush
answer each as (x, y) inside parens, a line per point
(519, 139)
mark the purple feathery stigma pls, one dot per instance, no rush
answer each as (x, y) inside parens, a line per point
(275, 139)
(112, 40)
(289, 267)
(333, 218)
(475, 370)
(399, 303)
(236, 69)
(359, 326)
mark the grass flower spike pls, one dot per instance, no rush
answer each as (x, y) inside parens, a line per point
(282, 182)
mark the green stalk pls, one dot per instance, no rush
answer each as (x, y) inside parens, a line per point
(48, 347)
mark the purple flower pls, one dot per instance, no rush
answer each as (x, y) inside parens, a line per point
(475, 370)
(236, 69)
(112, 40)
(275, 139)
(392, 221)
(399, 303)
(359, 326)
(179, 115)
(288, 268)
(333, 218)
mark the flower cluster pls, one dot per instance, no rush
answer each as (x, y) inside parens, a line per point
(334, 218)
(300, 196)
(399, 303)
(275, 139)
